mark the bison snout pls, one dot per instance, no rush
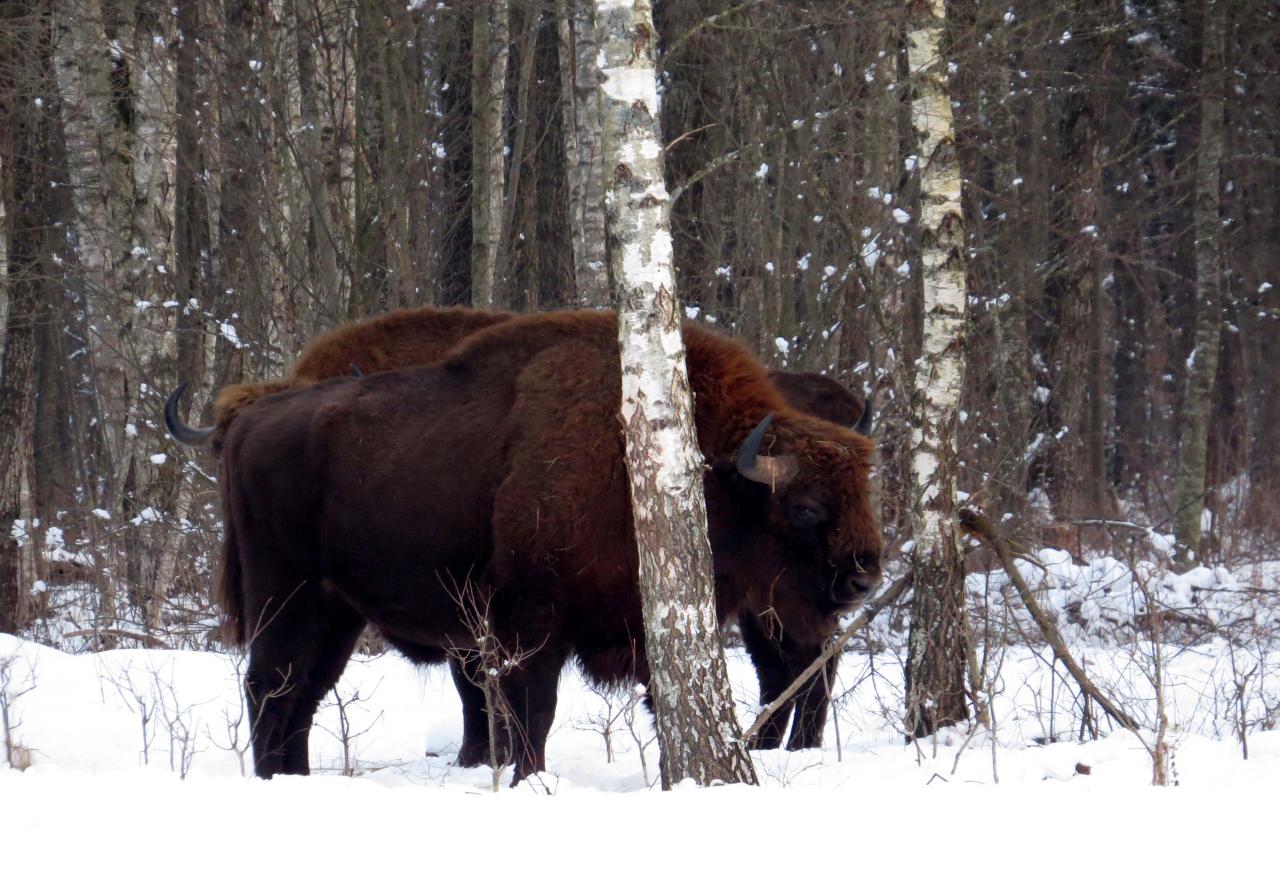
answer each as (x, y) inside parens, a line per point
(854, 585)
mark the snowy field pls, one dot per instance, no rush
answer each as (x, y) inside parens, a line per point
(132, 756)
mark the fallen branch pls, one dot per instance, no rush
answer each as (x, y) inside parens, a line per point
(864, 617)
(982, 528)
(151, 642)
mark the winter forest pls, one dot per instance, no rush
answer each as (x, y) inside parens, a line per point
(1041, 241)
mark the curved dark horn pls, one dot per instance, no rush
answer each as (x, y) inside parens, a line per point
(748, 458)
(863, 425)
(179, 430)
(356, 371)
(769, 470)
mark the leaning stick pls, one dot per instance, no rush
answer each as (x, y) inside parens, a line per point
(979, 526)
(150, 642)
(869, 612)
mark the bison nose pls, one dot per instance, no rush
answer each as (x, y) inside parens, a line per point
(853, 587)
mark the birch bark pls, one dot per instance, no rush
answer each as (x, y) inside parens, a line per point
(938, 638)
(698, 733)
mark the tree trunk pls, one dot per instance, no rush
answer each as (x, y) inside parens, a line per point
(698, 733)
(584, 164)
(316, 168)
(938, 637)
(505, 291)
(370, 282)
(1202, 366)
(29, 108)
(489, 51)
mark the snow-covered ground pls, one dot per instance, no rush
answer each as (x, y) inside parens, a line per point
(109, 734)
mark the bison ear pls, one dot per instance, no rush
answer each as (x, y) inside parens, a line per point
(773, 471)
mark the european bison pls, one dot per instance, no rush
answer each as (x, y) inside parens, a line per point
(499, 474)
(780, 646)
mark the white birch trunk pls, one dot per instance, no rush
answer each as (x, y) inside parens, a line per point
(698, 734)
(936, 659)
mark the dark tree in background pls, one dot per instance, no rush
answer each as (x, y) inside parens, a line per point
(33, 179)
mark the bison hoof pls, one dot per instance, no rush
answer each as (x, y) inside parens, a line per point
(474, 754)
(765, 742)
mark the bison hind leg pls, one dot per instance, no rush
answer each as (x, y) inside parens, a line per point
(295, 658)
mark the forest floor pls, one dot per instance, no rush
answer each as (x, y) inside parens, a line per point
(133, 756)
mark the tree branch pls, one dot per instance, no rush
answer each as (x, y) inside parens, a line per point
(982, 528)
(864, 618)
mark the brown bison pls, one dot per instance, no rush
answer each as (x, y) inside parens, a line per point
(498, 473)
(421, 336)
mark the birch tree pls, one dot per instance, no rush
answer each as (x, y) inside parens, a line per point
(698, 734)
(937, 641)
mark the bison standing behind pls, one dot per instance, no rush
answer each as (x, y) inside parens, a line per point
(500, 470)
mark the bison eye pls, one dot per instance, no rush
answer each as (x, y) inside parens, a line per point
(806, 515)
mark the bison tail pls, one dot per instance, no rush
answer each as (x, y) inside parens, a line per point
(228, 589)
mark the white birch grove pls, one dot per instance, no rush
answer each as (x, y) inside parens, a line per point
(935, 667)
(698, 734)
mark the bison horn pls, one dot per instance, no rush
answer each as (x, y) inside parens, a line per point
(769, 470)
(181, 432)
(863, 425)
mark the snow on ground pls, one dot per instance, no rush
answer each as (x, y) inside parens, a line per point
(106, 734)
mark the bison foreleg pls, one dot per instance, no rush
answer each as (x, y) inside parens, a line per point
(812, 700)
(773, 673)
(476, 748)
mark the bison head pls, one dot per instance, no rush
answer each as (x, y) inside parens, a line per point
(794, 529)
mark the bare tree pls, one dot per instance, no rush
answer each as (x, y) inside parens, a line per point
(489, 53)
(30, 141)
(584, 164)
(1202, 365)
(698, 733)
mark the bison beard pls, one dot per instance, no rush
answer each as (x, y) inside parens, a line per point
(422, 336)
(371, 500)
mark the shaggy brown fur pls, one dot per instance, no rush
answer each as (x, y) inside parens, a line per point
(501, 469)
(821, 396)
(421, 336)
(400, 339)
